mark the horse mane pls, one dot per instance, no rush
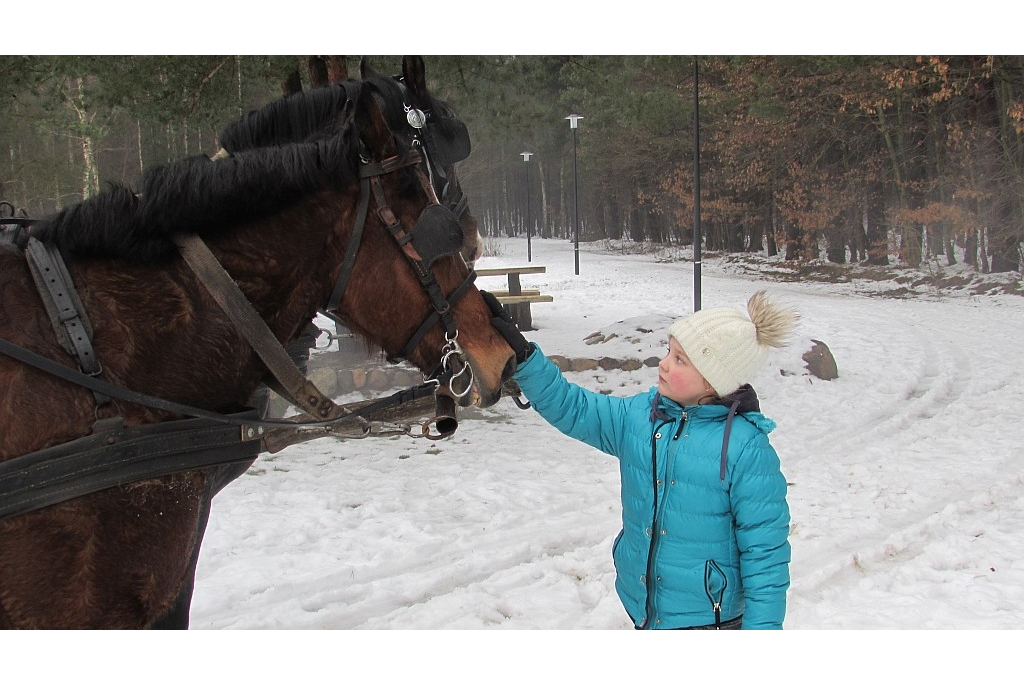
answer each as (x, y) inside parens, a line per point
(307, 115)
(291, 119)
(198, 195)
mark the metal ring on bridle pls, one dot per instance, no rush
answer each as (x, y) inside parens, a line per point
(452, 348)
(332, 337)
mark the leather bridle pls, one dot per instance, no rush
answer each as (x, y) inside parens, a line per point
(436, 234)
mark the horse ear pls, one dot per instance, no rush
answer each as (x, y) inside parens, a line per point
(373, 128)
(414, 75)
(365, 70)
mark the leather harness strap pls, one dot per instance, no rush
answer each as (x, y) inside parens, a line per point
(353, 246)
(78, 378)
(293, 385)
(121, 454)
(66, 311)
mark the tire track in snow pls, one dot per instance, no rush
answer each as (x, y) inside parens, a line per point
(886, 464)
(954, 548)
(941, 377)
(357, 596)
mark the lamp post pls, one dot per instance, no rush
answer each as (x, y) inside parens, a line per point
(696, 191)
(529, 224)
(574, 124)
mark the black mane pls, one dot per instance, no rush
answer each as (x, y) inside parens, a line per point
(197, 195)
(292, 119)
(307, 115)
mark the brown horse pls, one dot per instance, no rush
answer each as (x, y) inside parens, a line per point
(278, 219)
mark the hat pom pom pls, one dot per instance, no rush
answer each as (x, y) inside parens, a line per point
(774, 324)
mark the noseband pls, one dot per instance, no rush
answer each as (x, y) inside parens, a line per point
(436, 234)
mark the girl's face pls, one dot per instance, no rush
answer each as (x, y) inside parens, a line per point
(678, 378)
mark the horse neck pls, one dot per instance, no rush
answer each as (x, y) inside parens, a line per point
(283, 264)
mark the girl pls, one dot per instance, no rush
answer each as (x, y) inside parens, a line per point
(705, 523)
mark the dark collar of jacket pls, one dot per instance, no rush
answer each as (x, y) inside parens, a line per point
(744, 399)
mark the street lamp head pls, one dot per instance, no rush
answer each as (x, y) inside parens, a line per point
(574, 120)
(526, 156)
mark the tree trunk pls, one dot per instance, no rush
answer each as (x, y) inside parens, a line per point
(317, 68)
(337, 67)
(90, 174)
(947, 244)
(911, 245)
(983, 250)
(292, 84)
(545, 223)
(876, 234)
(773, 228)
(971, 249)
(138, 140)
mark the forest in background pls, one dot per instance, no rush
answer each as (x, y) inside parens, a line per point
(852, 158)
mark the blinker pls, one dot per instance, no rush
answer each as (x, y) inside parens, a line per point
(437, 234)
(451, 141)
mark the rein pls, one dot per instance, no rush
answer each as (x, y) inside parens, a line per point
(259, 426)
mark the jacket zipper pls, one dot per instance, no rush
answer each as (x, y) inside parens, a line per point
(652, 545)
(651, 578)
(682, 424)
(715, 592)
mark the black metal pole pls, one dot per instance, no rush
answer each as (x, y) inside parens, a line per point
(529, 224)
(696, 192)
(575, 205)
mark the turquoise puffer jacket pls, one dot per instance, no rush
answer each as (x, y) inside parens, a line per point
(713, 545)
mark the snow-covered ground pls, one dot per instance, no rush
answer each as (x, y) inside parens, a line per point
(906, 473)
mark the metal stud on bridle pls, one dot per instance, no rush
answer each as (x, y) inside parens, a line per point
(416, 118)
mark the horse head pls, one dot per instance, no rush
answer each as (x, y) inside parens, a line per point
(404, 284)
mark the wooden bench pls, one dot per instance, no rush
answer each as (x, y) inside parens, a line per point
(515, 297)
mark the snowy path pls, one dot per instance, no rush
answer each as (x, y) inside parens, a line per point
(907, 478)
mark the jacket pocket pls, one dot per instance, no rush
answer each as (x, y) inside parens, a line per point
(715, 583)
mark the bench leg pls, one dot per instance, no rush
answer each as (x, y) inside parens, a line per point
(522, 316)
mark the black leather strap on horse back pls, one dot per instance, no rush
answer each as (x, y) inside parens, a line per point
(64, 307)
(118, 456)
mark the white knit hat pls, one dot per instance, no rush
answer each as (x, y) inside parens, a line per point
(728, 347)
